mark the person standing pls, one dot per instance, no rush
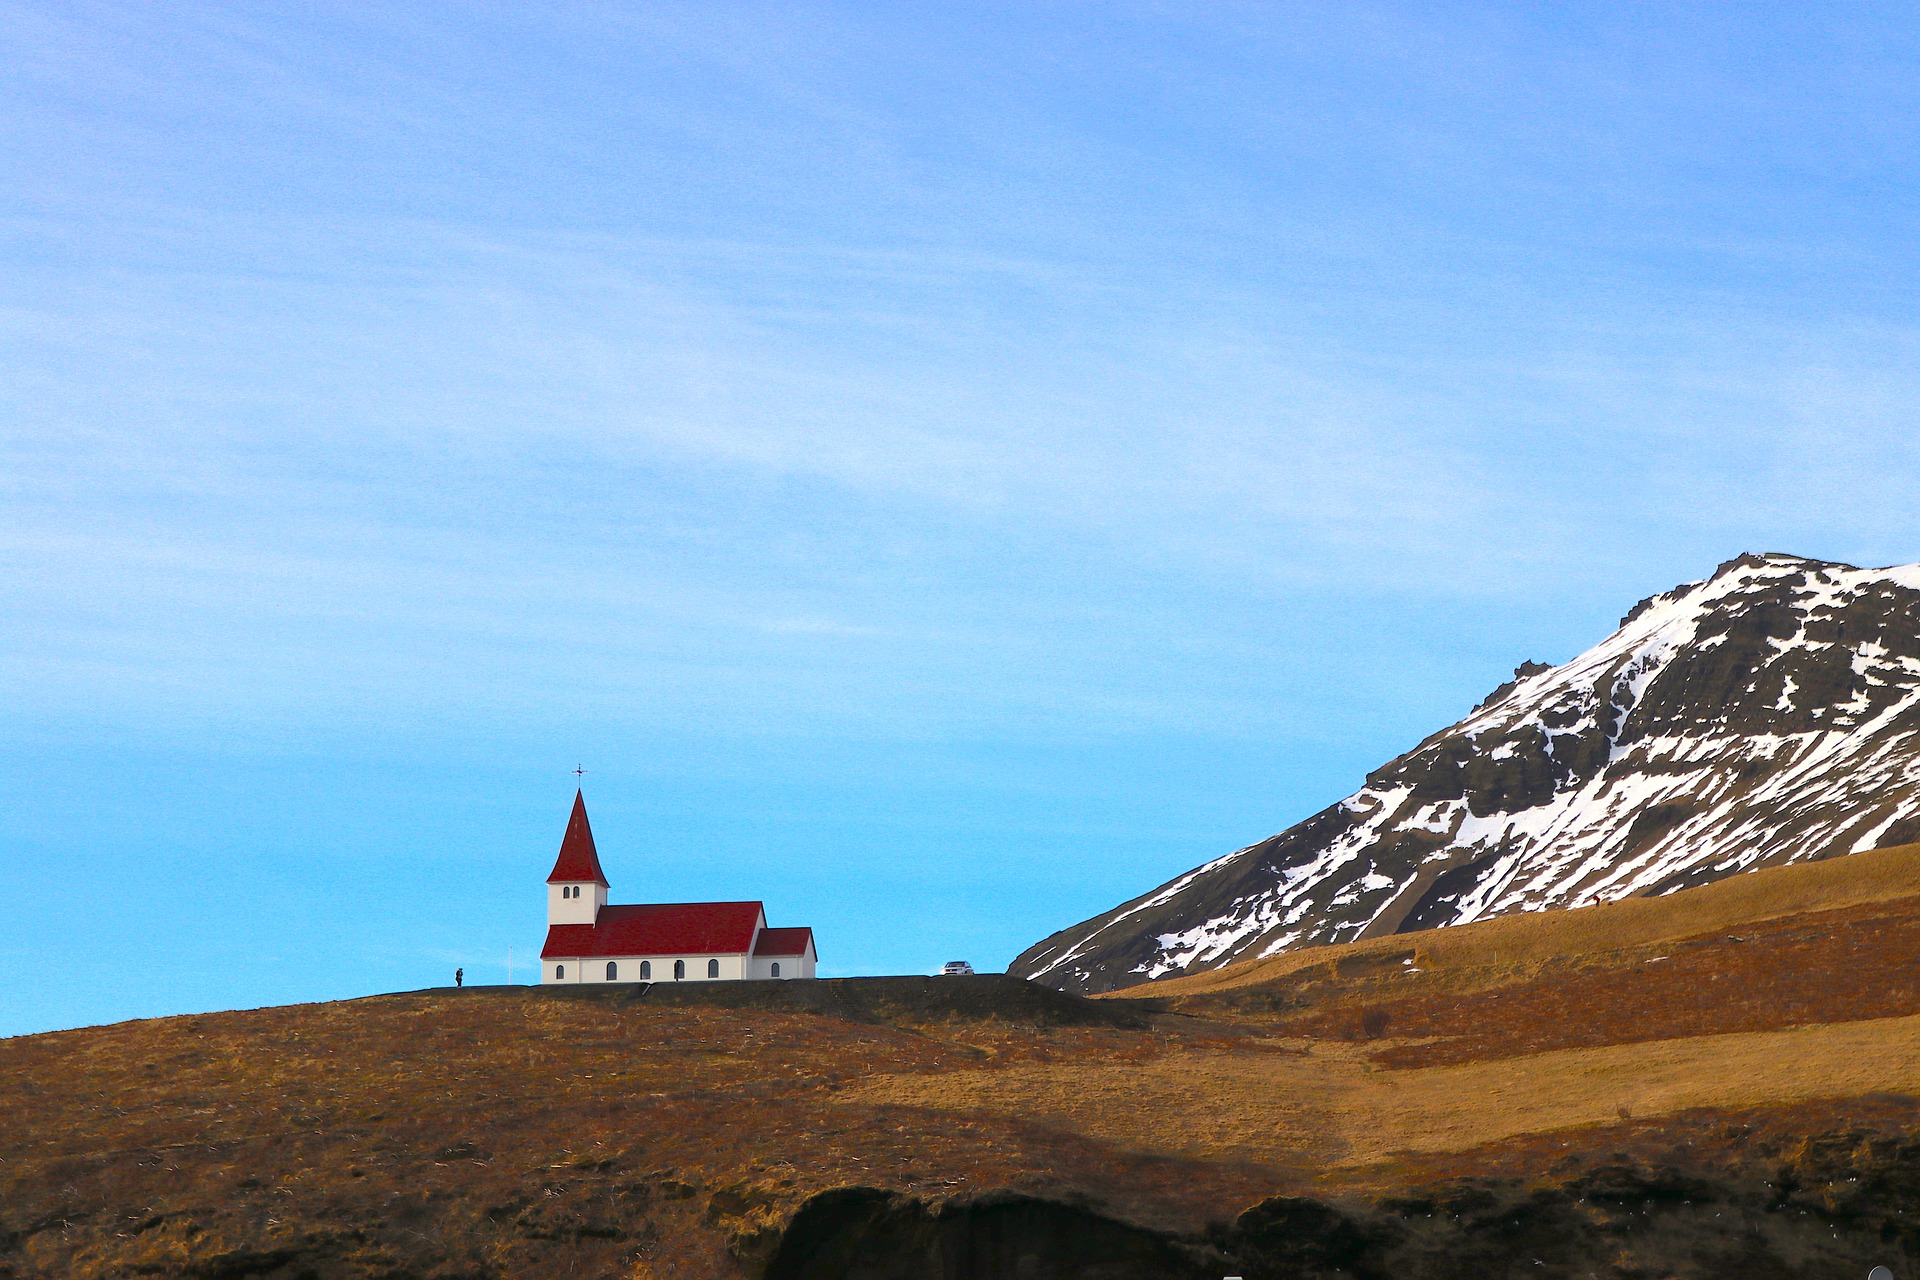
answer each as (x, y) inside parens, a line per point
(459, 977)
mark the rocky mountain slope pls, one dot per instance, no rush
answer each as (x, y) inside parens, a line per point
(1767, 715)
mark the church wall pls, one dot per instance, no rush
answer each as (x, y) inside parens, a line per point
(581, 910)
(594, 968)
(733, 968)
(790, 966)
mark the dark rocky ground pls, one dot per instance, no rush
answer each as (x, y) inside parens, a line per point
(1749, 1198)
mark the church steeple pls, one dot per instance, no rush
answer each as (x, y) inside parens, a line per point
(576, 888)
(579, 861)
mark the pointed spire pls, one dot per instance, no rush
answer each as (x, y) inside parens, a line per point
(579, 860)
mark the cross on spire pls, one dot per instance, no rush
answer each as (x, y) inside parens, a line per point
(578, 772)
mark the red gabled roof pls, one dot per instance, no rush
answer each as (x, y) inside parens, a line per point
(784, 942)
(659, 929)
(578, 860)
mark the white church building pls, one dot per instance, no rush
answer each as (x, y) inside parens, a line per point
(592, 940)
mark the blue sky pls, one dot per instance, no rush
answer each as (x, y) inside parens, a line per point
(942, 469)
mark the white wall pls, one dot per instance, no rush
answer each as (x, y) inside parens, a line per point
(594, 968)
(732, 967)
(790, 966)
(584, 909)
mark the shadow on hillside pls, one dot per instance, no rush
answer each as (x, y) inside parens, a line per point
(963, 998)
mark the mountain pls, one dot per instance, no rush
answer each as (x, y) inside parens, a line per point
(1767, 715)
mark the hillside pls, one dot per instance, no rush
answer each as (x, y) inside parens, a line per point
(1495, 950)
(1765, 716)
(1724, 1081)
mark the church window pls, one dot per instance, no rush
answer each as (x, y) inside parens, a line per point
(776, 968)
(613, 971)
(679, 970)
(646, 970)
(713, 968)
(559, 971)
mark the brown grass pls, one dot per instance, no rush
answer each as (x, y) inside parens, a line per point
(1882, 875)
(1847, 965)
(517, 1134)
(1328, 1105)
(495, 1132)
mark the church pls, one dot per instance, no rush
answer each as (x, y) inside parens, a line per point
(592, 940)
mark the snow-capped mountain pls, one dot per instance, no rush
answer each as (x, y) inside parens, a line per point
(1766, 715)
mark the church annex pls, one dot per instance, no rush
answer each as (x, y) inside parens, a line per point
(591, 940)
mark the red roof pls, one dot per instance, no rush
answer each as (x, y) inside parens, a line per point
(578, 860)
(784, 942)
(661, 929)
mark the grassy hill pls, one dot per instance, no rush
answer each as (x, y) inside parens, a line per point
(1864, 880)
(1719, 1082)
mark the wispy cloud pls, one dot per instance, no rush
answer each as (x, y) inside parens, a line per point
(1060, 441)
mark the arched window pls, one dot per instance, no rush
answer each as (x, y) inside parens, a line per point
(776, 968)
(646, 970)
(559, 971)
(713, 968)
(679, 970)
(613, 971)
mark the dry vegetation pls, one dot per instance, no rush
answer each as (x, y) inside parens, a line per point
(1718, 1037)
(1510, 943)
(492, 1131)
(1329, 1107)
